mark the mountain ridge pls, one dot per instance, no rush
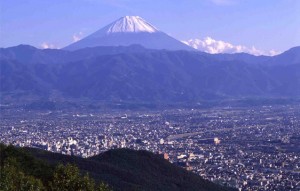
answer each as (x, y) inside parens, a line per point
(138, 74)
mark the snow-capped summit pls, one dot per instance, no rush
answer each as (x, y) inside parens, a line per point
(130, 30)
(131, 24)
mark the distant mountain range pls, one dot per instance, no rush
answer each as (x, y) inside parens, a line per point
(130, 60)
(137, 74)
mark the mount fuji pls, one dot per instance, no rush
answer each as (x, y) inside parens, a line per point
(130, 30)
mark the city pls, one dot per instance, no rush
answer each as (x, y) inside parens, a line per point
(250, 148)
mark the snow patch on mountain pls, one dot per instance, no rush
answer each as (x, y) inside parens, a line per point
(213, 46)
(46, 45)
(131, 24)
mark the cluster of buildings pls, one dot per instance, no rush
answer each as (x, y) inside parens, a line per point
(250, 148)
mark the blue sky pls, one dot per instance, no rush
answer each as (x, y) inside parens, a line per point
(264, 24)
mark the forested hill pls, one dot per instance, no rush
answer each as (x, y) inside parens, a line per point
(121, 169)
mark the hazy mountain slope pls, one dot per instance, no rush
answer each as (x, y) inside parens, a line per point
(30, 55)
(291, 56)
(137, 74)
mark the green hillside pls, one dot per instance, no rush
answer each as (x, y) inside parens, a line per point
(121, 169)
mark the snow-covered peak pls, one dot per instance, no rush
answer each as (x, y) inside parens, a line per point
(127, 31)
(131, 24)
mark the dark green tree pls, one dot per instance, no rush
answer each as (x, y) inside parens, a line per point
(103, 187)
(13, 179)
(20, 171)
(67, 178)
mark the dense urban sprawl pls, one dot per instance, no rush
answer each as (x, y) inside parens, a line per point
(250, 148)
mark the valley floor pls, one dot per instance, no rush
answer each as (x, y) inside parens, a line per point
(250, 148)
